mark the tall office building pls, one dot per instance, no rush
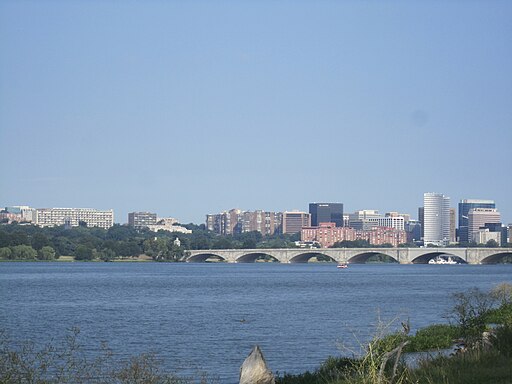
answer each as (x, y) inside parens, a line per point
(364, 219)
(421, 220)
(326, 213)
(453, 225)
(436, 217)
(465, 205)
(478, 218)
(141, 219)
(294, 221)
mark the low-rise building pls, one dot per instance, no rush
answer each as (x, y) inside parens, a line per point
(484, 235)
(167, 224)
(327, 234)
(72, 217)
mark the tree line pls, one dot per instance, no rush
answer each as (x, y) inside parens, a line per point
(29, 242)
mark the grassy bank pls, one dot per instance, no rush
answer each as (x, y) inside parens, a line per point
(482, 323)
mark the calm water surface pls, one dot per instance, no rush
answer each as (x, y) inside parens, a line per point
(209, 316)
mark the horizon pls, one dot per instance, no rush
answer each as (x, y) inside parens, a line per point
(185, 109)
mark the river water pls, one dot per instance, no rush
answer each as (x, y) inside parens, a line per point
(209, 316)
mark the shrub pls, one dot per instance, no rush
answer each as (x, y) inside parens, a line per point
(469, 312)
(501, 339)
(66, 363)
(437, 336)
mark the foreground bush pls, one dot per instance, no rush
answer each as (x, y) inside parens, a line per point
(66, 363)
(473, 367)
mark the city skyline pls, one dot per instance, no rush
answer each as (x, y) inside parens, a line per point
(413, 216)
(191, 108)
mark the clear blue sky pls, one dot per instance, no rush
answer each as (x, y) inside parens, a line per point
(192, 107)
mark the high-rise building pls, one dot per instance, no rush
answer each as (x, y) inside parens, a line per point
(436, 217)
(267, 223)
(294, 221)
(479, 217)
(465, 205)
(364, 219)
(326, 213)
(421, 220)
(453, 225)
(236, 221)
(397, 222)
(413, 230)
(50, 217)
(141, 219)
(225, 223)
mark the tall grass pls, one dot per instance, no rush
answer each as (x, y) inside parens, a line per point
(66, 363)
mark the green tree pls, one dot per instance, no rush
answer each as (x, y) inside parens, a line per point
(46, 253)
(249, 244)
(492, 244)
(5, 239)
(19, 238)
(222, 243)
(83, 252)
(63, 246)
(23, 252)
(200, 242)
(5, 253)
(39, 240)
(107, 254)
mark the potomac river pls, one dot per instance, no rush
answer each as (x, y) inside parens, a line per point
(208, 316)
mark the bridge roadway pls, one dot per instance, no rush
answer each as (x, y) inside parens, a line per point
(351, 255)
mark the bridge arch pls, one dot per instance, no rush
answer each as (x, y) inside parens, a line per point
(256, 256)
(363, 257)
(497, 258)
(307, 256)
(426, 257)
(204, 257)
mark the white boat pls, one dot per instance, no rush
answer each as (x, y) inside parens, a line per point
(342, 266)
(442, 260)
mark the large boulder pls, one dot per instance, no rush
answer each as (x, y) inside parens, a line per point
(254, 369)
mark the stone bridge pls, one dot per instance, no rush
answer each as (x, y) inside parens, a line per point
(350, 255)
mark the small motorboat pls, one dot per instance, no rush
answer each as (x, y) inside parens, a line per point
(342, 266)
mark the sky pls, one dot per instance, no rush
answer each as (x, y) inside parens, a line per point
(186, 108)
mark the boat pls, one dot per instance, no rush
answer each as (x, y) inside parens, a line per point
(442, 260)
(342, 266)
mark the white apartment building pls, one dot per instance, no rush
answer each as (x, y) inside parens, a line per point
(397, 222)
(436, 219)
(51, 217)
(482, 236)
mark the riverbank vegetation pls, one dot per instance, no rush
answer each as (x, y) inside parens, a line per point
(481, 328)
(67, 363)
(120, 242)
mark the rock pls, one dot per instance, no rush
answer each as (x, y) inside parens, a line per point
(254, 369)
